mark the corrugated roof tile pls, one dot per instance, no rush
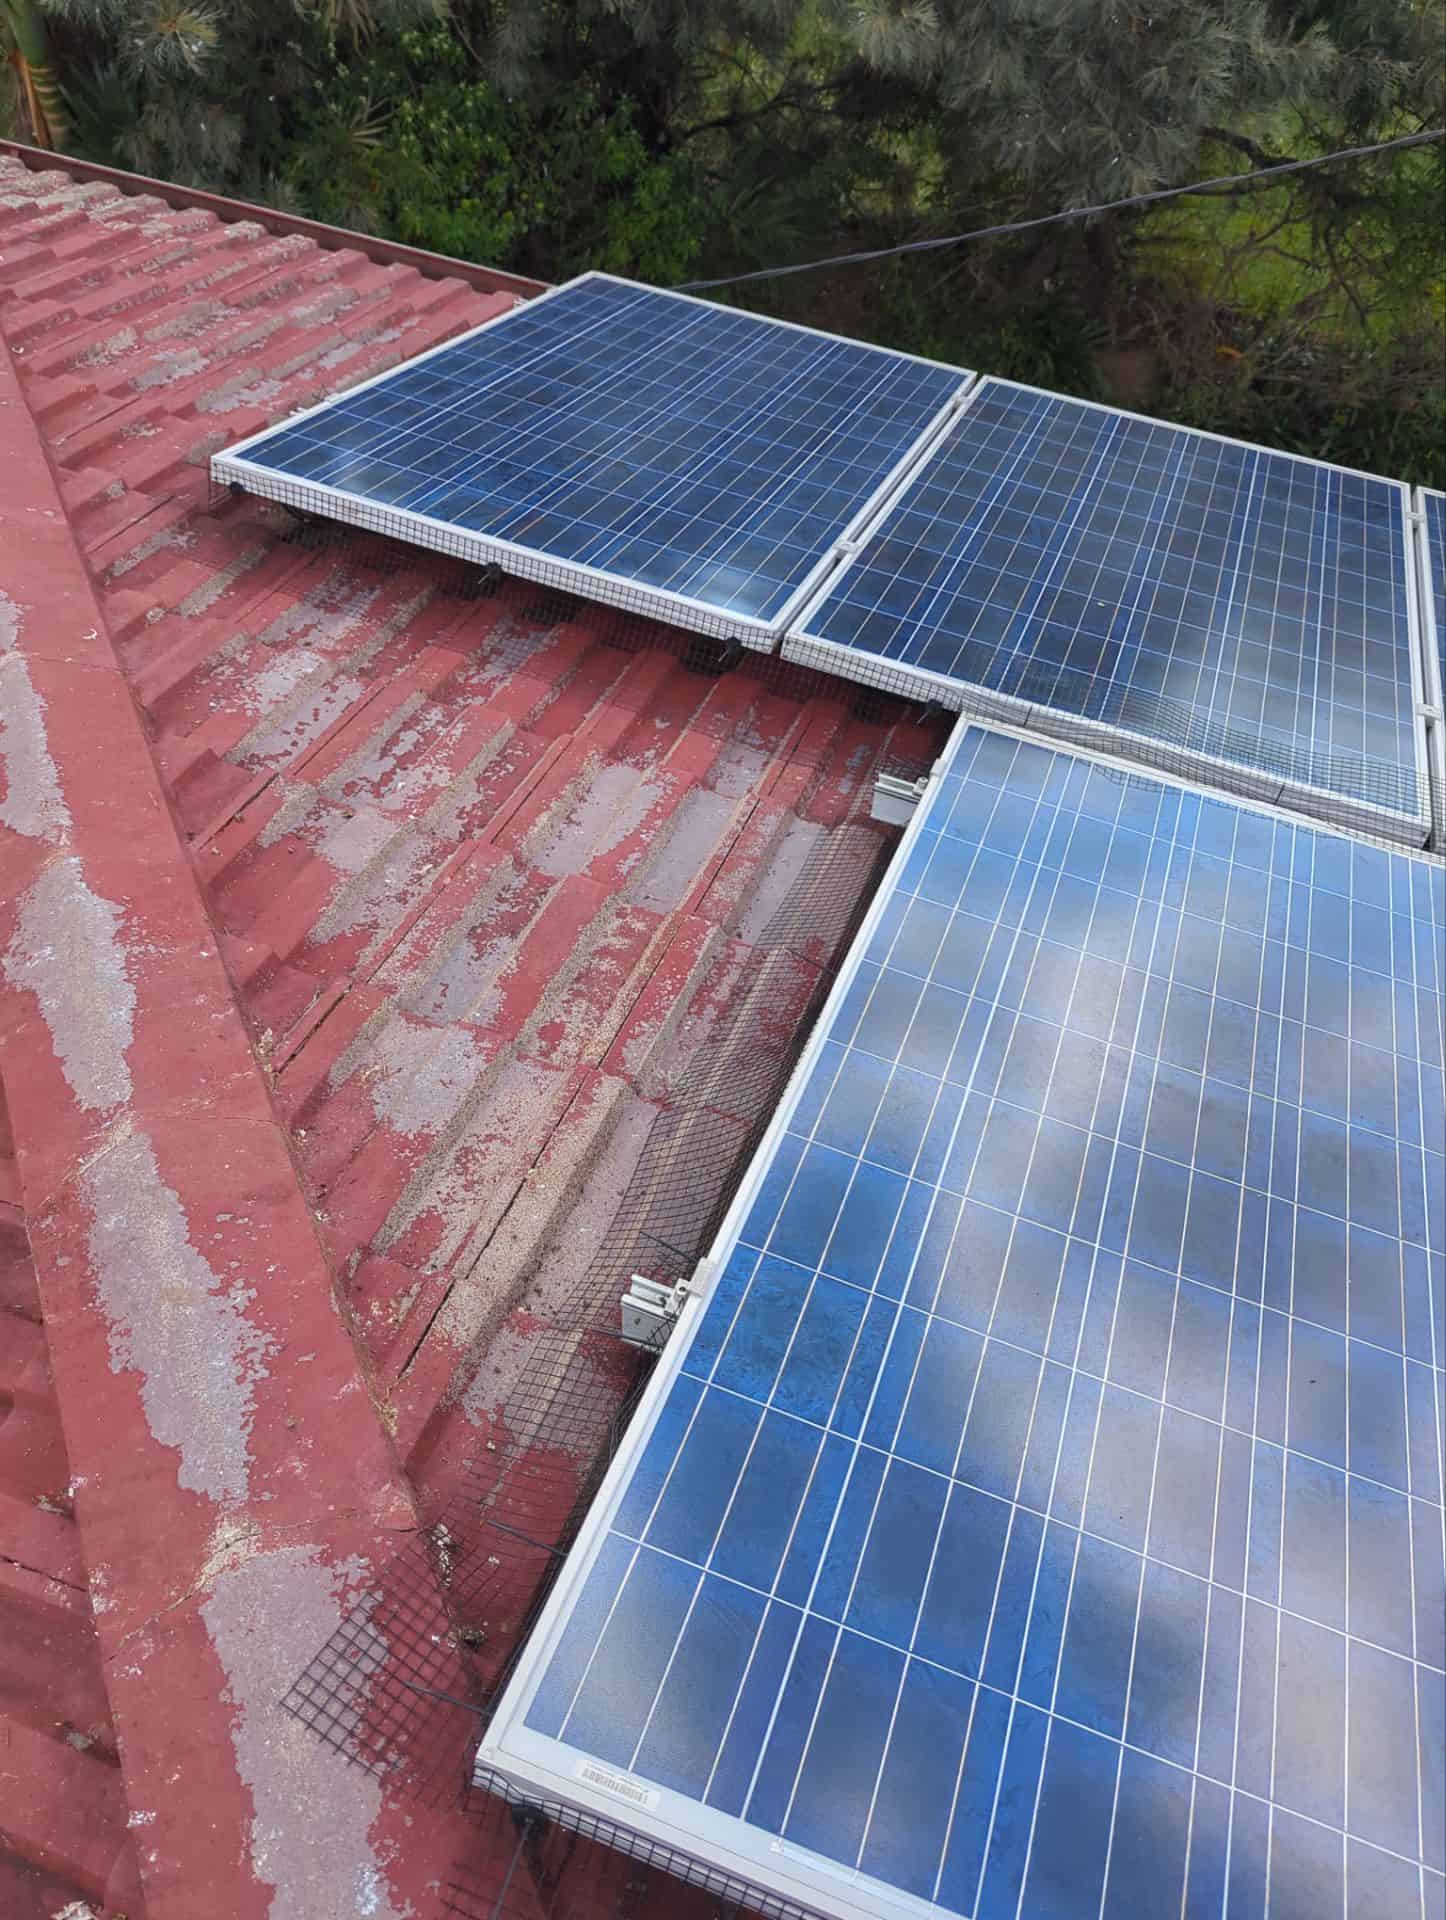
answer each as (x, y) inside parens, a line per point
(64, 1836)
(484, 871)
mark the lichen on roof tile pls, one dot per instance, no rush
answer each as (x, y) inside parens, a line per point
(485, 872)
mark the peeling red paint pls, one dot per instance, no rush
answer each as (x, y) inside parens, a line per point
(478, 884)
(174, 1254)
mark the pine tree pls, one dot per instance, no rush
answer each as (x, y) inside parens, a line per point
(1082, 101)
(194, 90)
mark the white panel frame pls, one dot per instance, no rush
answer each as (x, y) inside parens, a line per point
(1432, 642)
(1215, 771)
(232, 467)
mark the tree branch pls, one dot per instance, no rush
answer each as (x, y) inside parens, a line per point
(800, 100)
(1253, 151)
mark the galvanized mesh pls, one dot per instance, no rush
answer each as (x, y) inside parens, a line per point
(405, 1685)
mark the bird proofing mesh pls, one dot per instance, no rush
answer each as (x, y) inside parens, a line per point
(371, 520)
(1268, 764)
(578, 1867)
(405, 1684)
(458, 1601)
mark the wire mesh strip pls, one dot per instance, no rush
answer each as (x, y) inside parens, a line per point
(1343, 789)
(578, 1861)
(526, 1494)
(309, 500)
(1352, 791)
(548, 605)
(402, 1687)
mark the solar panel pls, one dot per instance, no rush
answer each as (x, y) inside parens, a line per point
(1433, 514)
(1042, 1514)
(635, 446)
(1432, 550)
(1244, 615)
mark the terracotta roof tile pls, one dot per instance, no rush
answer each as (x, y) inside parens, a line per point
(63, 1816)
(484, 872)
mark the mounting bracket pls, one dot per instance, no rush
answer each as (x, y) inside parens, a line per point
(649, 1310)
(895, 798)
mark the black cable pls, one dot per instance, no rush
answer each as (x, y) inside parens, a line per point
(435, 1693)
(1071, 213)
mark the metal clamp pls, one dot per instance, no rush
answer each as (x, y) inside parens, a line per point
(896, 798)
(649, 1309)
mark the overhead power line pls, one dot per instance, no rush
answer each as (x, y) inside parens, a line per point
(1070, 213)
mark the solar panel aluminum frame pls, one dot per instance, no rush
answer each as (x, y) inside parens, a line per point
(546, 1769)
(1433, 644)
(1214, 771)
(232, 468)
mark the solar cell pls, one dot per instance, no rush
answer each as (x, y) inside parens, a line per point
(636, 446)
(1042, 1513)
(1149, 587)
(1433, 514)
(1432, 550)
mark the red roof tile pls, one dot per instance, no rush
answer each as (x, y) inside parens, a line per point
(64, 1836)
(475, 882)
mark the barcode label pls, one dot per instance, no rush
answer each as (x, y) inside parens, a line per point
(617, 1783)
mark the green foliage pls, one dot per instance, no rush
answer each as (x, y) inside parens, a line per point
(1081, 101)
(408, 139)
(661, 53)
(1044, 339)
(30, 98)
(151, 39)
(403, 142)
(1361, 407)
(195, 93)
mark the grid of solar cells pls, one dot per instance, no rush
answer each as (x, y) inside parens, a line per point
(1241, 603)
(1433, 506)
(1047, 1516)
(697, 450)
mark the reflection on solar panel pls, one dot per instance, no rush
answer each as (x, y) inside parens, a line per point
(1043, 1515)
(1189, 591)
(636, 446)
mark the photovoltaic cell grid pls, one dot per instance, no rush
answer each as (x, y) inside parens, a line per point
(1044, 1516)
(1433, 507)
(1245, 605)
(1433, 510)
(704, 454)
(1432, 556)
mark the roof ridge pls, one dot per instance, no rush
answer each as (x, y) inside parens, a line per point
(175, 1254)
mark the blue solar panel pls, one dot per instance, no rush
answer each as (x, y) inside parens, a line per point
(678, 448)
(1043, 1514)
(1432, 556)
(1433, 508)
(1192, 592)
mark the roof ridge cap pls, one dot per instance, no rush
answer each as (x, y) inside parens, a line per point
(197, 1341)
(382, 252)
